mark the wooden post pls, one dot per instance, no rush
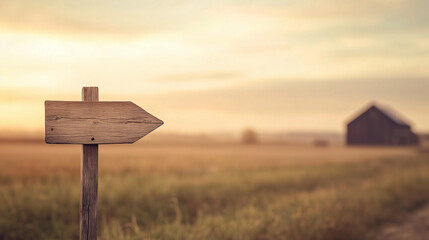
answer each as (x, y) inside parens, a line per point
(89, 179)
(89, 122)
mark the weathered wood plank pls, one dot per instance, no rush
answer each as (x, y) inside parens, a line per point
(73, 122)
(89, 192)
(89, 180)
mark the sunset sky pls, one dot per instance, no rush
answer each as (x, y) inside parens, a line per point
(208, 66)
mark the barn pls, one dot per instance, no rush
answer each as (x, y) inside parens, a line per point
(380, 126)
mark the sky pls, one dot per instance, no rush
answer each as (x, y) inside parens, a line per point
(209, 66)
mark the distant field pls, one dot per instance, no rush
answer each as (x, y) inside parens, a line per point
(211, 191)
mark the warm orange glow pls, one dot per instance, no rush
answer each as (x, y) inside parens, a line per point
(205, 66)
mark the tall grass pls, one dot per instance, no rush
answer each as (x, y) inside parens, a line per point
(262, 200)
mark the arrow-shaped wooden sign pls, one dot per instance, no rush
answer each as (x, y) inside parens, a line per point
(96, 122)
(90, 123)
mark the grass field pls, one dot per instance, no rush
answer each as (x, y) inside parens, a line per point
(211, 192)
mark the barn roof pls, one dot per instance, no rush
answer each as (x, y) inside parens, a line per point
(389, 113)
(392, 115)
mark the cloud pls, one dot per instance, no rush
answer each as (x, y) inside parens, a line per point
(273, 95)
(266, 104)
(205, 76)
(299, 104)
(97, 18)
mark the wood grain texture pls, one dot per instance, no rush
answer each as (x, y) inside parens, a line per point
(72, 122)
(89, 180)
(89, 192)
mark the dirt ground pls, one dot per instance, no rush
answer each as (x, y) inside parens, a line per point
(414, 226)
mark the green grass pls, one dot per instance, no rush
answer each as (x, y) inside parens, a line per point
(327, 201)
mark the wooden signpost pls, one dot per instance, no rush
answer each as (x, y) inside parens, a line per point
(90, 122)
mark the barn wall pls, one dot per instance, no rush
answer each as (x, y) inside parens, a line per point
(404, 136)
(371, 128)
